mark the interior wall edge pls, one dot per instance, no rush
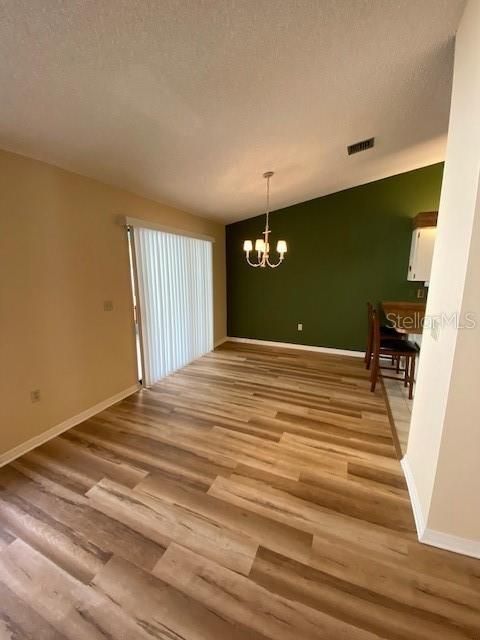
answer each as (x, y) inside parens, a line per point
(53, 432)
(420, 518)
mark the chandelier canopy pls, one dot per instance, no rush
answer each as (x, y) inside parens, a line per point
(262, 245)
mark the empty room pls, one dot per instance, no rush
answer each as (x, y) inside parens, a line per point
(239, 313)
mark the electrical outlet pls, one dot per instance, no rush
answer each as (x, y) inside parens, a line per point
(35, 395)
(300, 326)
(420, 293)
(108, 305)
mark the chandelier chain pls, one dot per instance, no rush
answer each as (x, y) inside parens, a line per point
(268, 200)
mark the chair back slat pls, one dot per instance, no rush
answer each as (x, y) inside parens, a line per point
(376, 332)
(369, 347)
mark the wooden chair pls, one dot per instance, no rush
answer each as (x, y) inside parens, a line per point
(386, 333)
(396, 350)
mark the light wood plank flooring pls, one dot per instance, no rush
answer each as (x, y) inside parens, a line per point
(401, 410)
(254, 494)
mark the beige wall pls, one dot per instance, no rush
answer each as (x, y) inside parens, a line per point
(444, 446)
(62, 253)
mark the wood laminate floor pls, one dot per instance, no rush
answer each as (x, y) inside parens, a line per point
(254, 494)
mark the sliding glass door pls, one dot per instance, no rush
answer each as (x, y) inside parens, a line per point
(174, 283)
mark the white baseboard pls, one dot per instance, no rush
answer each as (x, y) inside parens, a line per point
(302, 347)
(451, 543)
(432, 537)
(219, 342)
(43, 437)
(420, 521)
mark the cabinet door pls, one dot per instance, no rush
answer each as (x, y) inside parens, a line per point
(411, 261)
(423, 242)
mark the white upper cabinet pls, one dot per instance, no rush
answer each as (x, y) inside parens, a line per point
(421, 252)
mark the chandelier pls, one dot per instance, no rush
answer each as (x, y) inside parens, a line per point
(262, 246)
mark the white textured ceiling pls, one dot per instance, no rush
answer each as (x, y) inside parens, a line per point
(189, 101)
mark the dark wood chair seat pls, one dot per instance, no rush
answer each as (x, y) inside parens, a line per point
(396, 345)
(389, 332)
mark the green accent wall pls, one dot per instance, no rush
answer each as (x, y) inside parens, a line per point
(343, 249)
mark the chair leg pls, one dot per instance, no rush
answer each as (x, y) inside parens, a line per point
(368, 351)
(412, 377)
(406, 376)
(368, 357)
(398, 365)
(374, 373)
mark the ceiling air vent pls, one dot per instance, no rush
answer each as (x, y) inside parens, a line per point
(360, 146)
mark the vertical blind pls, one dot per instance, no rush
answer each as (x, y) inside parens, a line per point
(174, 276)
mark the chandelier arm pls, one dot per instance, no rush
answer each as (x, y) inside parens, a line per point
(274, 266)
(253, 264)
